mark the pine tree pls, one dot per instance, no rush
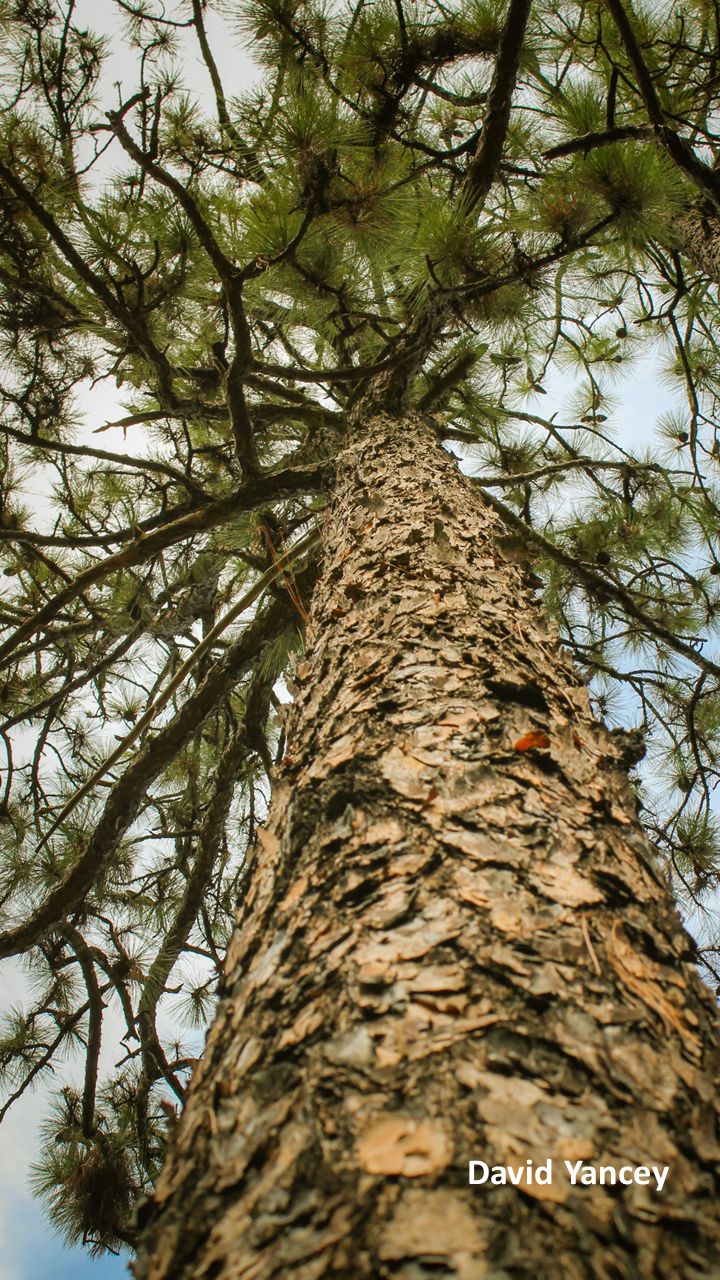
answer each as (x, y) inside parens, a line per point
(457, 939)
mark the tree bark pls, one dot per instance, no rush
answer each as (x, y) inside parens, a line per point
(457, 945)
(698, 238)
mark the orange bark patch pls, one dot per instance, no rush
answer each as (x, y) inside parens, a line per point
(294, 894)
(268, 840)
(564, 885)
(649, 982)
(535, 740)
(402, 1146)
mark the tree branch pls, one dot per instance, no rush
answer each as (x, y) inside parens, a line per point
(602, 588)
(484, 165)
(95, 1008)
(128, 793)
(706, 179)
(198, 653)
(249, 497)
(600, 138)
(105, 455)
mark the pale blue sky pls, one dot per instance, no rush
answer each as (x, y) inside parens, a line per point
(30, 1250)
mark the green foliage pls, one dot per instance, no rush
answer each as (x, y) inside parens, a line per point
(638, 185)
(87, 1184)
(698, 849)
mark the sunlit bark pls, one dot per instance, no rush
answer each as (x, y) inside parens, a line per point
(698, 238)
(456, 946)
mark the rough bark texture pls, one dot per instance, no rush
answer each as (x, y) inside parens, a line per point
(456, 945)
(698, 237)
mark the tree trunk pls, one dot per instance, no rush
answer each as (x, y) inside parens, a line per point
(698, 238)
(456, 946)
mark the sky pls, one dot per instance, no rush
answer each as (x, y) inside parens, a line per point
(28, 1247)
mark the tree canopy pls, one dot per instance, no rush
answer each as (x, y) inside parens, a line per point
(471, 209)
